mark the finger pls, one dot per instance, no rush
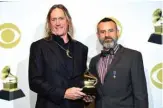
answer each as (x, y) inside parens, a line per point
(81, 93)
(85, 99)
(93, 97)
(78, 89)
(77, 95)
(89, 98)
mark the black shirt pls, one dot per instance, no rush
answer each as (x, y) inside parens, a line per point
(69, 45)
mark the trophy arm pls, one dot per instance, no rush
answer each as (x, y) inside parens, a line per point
(11, 75)
(89, 76)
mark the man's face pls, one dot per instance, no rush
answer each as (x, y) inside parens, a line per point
(58, 22)
(107, 34)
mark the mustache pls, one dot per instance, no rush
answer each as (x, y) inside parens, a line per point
(108, 37)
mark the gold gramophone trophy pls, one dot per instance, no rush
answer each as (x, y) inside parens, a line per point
(157, 36)
(90, 82)
(10, 90)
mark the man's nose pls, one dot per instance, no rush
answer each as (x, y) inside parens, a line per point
(106, 34)
(57, 22)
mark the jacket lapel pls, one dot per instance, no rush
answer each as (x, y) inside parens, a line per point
(55, 49)
(117, 57)
(76, 59)
(97, 62)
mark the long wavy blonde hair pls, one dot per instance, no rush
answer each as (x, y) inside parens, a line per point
(68, 17)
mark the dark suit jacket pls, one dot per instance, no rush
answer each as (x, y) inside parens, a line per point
(128, 89)
(48, 74)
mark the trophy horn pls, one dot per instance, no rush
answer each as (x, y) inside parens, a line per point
(157, 14)
(5, 72)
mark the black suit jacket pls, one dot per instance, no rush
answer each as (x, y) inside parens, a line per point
(48, 75)
(128, 89)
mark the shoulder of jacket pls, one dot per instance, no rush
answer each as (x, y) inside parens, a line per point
(132, 51)
(38, 43)
(80, 44)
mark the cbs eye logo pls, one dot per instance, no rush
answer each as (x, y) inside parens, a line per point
(156, 75)
(9, 35)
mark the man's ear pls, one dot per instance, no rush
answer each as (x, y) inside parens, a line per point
(118, 33)
(97, 33)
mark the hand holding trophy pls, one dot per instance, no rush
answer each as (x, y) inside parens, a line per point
(10, 90)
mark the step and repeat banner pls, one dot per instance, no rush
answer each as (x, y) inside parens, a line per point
(22, 22)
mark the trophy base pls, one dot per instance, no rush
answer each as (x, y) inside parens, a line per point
(89, 91)
(11, 95)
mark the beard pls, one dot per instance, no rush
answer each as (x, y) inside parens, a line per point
(108, 42)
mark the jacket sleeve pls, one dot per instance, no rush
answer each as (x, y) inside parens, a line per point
(37, 82)
(139, 82)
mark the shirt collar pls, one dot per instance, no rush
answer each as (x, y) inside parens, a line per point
(60, 40)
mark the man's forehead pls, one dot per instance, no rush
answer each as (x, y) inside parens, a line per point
(106, 25)
(57, 13)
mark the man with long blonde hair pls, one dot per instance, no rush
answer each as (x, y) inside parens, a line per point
(57, 63)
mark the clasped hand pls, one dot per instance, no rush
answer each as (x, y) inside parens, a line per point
(74, 93)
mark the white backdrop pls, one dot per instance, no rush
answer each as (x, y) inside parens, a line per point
(135, 17)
